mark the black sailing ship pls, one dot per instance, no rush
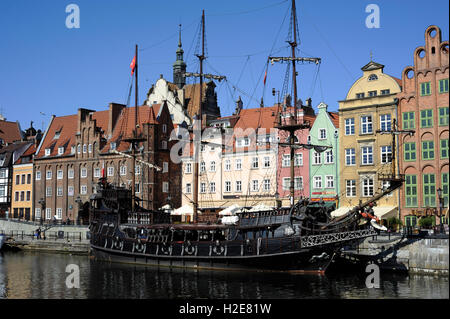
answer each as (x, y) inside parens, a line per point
(299, 238)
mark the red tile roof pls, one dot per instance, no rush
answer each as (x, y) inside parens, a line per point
(9, 131)
(67, 126)
(334, 116)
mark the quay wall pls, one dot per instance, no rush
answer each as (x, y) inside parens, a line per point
(428, 255)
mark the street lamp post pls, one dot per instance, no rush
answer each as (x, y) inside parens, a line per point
(42, 203)
(78, 201)
(441, 204)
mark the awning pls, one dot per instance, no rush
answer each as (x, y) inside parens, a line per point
(341, 211)
(184, 210)
(385, 212)
(380, 212)
(230, 210)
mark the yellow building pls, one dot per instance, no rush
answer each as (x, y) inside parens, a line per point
(370, 105)
(22, 187)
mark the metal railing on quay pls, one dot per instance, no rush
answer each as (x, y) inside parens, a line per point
(45, 235)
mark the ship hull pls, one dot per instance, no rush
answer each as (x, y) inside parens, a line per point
(306, 261)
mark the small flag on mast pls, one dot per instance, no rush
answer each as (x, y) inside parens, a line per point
(133, 65)
(265, 77)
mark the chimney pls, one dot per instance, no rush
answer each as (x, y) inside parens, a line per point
(114, 112)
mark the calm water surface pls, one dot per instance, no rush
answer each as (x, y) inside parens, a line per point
(33, 275)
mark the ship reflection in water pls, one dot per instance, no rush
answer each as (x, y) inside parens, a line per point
(39, 275)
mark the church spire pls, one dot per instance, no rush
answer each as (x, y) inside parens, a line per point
(179, 67)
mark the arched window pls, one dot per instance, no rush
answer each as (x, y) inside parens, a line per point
(373, 77)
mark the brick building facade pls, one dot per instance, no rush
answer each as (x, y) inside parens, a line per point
(423, 107)
(75, 149)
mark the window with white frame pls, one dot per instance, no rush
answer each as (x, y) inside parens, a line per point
(202, 167)
(255, 162)
(113, 146)
(350, 188)
(385, 185)
(366, 124)
(123, 170)
(70, 190)
(59, 213)
(286, 183)
(367, 186)
(366, 155)
(350, 157)
(78, 148)
(48, 191)
(266, 184)
(49, 174)
(72, 149)
(298, 159)
(329, 181)
(38, 175)
(37, 213)
(59, 191)
(84, 148)
(266, 161)
(165, 167)
(212, 187)
(238, 186)
(317, 158)
(227, 165)
(48, 213)
(188, 168)
(90, 148)
(110, 170)
(83, 189)
(317, 181)
(188, 188)
(60, 150)
(242, 142)
(227, 186)
(386, 154)
(47, 152)
(255, 185)
(385, 122)
(202, 188)
(97, 172)
(329, 157)
(59, 174)
(70, 173)
(137, 170)
(286, 160)
(165, 187)
(322, 134)
(212, 166)
(238, 164)
(83, 172)
(350, 126)
(298, 182)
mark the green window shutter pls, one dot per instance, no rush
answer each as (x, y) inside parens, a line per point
(426, 118)
(444, 149)
(443, 116)
(429, 190)
(411, 190)
(444, 182)
(443, 86)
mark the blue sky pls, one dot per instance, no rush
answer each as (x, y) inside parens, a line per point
(46, 67)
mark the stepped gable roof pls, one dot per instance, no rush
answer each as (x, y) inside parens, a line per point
(125, 125)
(67, 127)
(10, 131)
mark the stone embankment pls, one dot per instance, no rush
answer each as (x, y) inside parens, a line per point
(426, 254)
(54, 238)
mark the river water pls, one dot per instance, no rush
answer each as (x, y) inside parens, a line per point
(34, 275)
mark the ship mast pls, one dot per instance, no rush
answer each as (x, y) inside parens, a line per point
(293, 124)
(197, 123)
(133, 143)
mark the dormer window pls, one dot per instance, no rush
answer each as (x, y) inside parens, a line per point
(47, 152)
(373, 77)
(57, 135)
(72, 149)
(60, 150)
(113, 145)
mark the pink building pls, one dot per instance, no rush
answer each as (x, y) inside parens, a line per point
(301, 163)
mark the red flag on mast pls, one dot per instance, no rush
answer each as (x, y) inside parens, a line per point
(265, 77)
(133, 65)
